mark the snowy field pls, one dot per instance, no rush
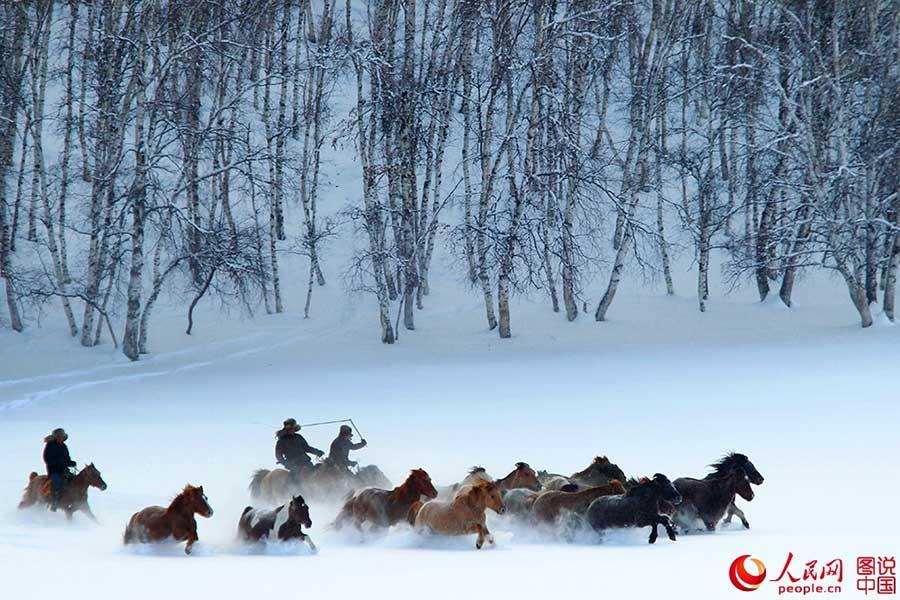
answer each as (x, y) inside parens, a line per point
(810, 397)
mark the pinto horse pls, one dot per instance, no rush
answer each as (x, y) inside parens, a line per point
(638, 507)
(462, 515)
(74, 495)
(382, 508)
(549, 506)
(709, 499)
(281, 524)
(155, 523)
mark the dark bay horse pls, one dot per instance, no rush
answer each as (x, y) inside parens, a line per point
(281, 524)
(74, 496)
(382, 508)
(601, 471)
(155, 523)
(638, 507)
(709, 499)
(462, 515)
(549, 506)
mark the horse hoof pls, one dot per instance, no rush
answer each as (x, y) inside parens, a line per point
(478, 545)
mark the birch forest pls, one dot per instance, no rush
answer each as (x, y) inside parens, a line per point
(172, 149)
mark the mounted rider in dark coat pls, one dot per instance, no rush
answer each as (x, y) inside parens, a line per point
(292, 449)
(339, 453)
(58, 461)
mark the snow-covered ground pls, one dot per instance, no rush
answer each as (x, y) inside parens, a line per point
(810, 397)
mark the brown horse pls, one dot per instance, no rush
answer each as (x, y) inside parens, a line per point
(600, 472)
(464, 514)
(382, 508)
(155, 523)
(74, 496)
(282, 524)
(549, 506)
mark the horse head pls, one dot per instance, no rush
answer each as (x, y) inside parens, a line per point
(741, 485)
(525, 477)
(601, 466)
(736, 460)
(196, 500)
(420, 482)
(92, 477)
(665, 489)
(486, 494)
(298, 512)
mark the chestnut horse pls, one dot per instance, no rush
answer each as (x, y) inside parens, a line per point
(638, 507)
(74, 495)
(281, 524)
(382, 508)
(155, 523)
(549, 506)
(708, 499)
(464, 514)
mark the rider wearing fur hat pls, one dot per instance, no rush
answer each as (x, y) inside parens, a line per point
(58, 461)
(339, 453)
(292, 449)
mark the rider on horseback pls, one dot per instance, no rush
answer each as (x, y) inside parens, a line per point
(292, 450)
(58, 461)
(339, 453)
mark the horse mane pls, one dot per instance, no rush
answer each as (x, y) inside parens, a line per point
(477, 469)
(600, 459)
(639, 487)
(729, 462)
(182, 497)
(521, 466)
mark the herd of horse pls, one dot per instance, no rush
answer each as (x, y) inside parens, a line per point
(597, 498)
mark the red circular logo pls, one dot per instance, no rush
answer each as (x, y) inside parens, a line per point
(744, 580)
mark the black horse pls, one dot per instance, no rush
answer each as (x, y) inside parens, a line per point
(281, 524)
(708, 499)
(637, 507)
(725, 463)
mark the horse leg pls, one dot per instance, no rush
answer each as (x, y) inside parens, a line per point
(310, 543)
(653, 533)
(734, 510)
(86, 509)
(667, 523)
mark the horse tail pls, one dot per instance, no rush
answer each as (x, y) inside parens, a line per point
(413, 512)
(255, 486)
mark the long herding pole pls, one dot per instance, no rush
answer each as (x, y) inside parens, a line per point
(358, 432)
(332, 423)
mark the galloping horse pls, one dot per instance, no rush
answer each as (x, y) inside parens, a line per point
(155, 523)
(282, 524)
(74, 496)
(383, 508)
(462, 515)
(755, 477)
(549, 506)
(276, 486)
(708, 499)
(638, 507)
